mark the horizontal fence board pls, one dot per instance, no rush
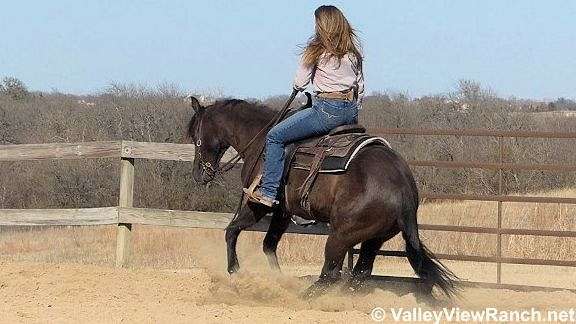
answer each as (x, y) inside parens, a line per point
(82, 216)
(108, 149)
(502, 198)
(469, 283)
(24, 152)
(158, 151)
(164, 151)
(196, 219)
(180, 218)
(491, 166)
(493, 230)
(477, 258)
(472, 132)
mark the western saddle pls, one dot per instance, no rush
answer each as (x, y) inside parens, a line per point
(330, 153)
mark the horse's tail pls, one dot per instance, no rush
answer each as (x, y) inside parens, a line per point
(422, 260)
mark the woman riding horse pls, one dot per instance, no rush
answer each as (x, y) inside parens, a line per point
(373, 201)
(333, 63)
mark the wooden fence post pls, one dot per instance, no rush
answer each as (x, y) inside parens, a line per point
(499, 219)
(125, 200)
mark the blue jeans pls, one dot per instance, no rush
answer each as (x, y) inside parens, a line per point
(323, 116)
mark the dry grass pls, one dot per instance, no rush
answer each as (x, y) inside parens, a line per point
(165, 247)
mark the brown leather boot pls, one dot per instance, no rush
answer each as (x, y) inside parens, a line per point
(257, 197)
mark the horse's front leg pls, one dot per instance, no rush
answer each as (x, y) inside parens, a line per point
(334, 253)
(277, 228)
(248, 216)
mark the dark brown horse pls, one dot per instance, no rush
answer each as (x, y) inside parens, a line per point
(375, 199)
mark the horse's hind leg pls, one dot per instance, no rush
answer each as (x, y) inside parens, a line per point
(278, 226)
(246, 218)
(363, 268)
(368, 252)
(334, 254)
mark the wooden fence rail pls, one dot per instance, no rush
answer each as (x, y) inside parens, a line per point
(124, 215)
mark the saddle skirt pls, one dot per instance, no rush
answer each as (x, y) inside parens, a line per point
(336, 150)
(331, 153)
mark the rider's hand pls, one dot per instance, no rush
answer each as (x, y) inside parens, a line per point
(298, 88)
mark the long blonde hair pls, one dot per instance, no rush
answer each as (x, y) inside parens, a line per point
(334, 37)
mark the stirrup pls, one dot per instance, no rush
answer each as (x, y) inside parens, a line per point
(259, 198)
(302, 221)
(252, 187)
(256, 196)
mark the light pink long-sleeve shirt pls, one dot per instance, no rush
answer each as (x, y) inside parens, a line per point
(329, 76)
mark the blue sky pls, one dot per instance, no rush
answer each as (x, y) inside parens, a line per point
(249, 48)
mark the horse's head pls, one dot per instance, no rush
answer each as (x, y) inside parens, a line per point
(204, 132)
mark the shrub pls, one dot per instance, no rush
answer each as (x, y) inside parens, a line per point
(14, 88)
(139, 113)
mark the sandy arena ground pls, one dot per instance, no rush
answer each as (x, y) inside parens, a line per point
(40, 292)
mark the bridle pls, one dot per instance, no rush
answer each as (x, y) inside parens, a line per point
(207, 167)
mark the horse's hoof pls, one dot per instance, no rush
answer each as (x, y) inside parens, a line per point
(233, 269)
(426, 298)
(355, 285)
(316, 290)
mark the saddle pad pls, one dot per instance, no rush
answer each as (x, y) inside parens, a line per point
(338, 161)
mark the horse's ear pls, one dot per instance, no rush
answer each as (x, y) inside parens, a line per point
(195, 104)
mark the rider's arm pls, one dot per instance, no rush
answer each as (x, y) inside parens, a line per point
(360, 83)
(303, 76)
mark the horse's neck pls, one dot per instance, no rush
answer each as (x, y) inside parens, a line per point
(245, 135)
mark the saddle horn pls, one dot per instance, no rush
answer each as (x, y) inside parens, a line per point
(308, 100)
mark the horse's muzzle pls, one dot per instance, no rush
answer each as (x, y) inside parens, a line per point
(203, 176)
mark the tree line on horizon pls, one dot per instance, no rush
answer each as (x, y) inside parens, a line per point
(129, 112)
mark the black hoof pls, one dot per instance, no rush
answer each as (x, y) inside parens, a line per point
(318, 288)
(354, 286)
(424, 295)
(233, 269)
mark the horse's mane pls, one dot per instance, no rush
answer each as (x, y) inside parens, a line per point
(239, 111)
(243, 110)
(243, 105)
